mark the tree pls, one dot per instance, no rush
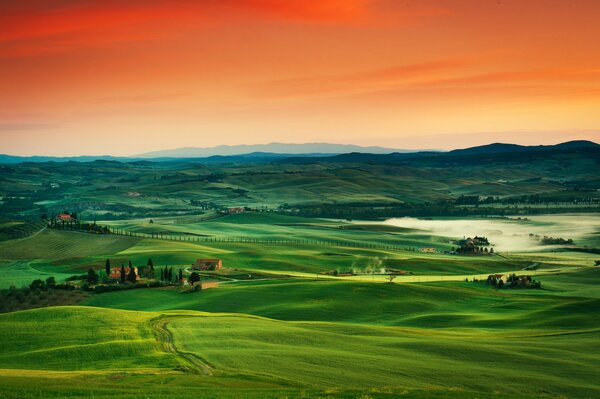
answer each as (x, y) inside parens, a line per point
(51, 282)
(37, 285)
(132, 277)
(391, 278)
(194, 278)
(123, 274)
(180, 274)
(171, 274)
(92, 276)
(150, 263)
(107, 268)
(162, 275)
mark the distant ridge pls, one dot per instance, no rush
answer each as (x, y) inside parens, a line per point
(497, 148)
(347, 153)
(272, 148)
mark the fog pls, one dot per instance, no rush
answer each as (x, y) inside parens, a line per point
(507, 235)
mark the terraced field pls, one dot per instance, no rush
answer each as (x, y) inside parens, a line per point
(54, 244)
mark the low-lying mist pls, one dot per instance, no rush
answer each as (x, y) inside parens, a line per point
(507, 234)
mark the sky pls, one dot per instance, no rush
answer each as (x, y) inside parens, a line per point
(125, 77)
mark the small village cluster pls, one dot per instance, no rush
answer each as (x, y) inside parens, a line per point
(131, 274)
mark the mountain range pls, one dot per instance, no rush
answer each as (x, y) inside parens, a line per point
(302, 153)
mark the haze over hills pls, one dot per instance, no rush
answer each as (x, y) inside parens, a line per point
(274, 148)
(302, 153)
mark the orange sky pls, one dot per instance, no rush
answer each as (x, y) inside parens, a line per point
(125, 77)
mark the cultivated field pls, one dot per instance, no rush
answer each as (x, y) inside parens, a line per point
(277, 328)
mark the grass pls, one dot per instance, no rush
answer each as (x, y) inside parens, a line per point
(332, 354)
(63, 253)
(300, 337)
(54, 244)
(76, 339)
(432, 305)
(103, 352)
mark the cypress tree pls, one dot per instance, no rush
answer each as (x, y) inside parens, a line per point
(123, 275)
(180, 274)
(162, 275)
(132, 277)
(107, 268)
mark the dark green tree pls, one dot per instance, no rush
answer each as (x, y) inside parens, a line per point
(150, 263)
(37, 285)
(123, 274)
(194, 278)
(180, 274)
(92, 277)
(51, 282)
(132, 277)
(107, 268)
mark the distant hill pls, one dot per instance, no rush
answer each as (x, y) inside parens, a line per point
(496, 148)
(12, 159)
(308, 149)
(310, 153)
(489, 152)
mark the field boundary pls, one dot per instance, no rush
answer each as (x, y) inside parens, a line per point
(245, 240)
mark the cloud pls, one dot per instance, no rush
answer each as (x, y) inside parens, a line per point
(143, 98)
(32, 28)
(377, 79)
(446, 77)
(24, 126)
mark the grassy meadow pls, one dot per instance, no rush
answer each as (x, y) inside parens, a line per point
(276, 328)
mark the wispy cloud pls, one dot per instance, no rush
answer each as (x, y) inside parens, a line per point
(443, 76)
(143, 98)
(24, 126)
(30, 28)
(364, 81)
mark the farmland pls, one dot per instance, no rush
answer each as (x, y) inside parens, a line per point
(306, 306)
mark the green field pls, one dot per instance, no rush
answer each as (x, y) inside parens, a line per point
(276, 328)
(247, 353)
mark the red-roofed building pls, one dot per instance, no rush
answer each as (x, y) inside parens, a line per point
(115, 273)
(65, 217)
(208, 264)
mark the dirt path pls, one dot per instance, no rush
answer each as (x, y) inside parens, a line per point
(164, 337)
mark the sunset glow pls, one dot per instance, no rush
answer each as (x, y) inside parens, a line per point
(126, 77)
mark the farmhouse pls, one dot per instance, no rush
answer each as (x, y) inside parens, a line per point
(207, 264)
(236, 210)
(428, 250)
(115, 273)
(64, 217)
